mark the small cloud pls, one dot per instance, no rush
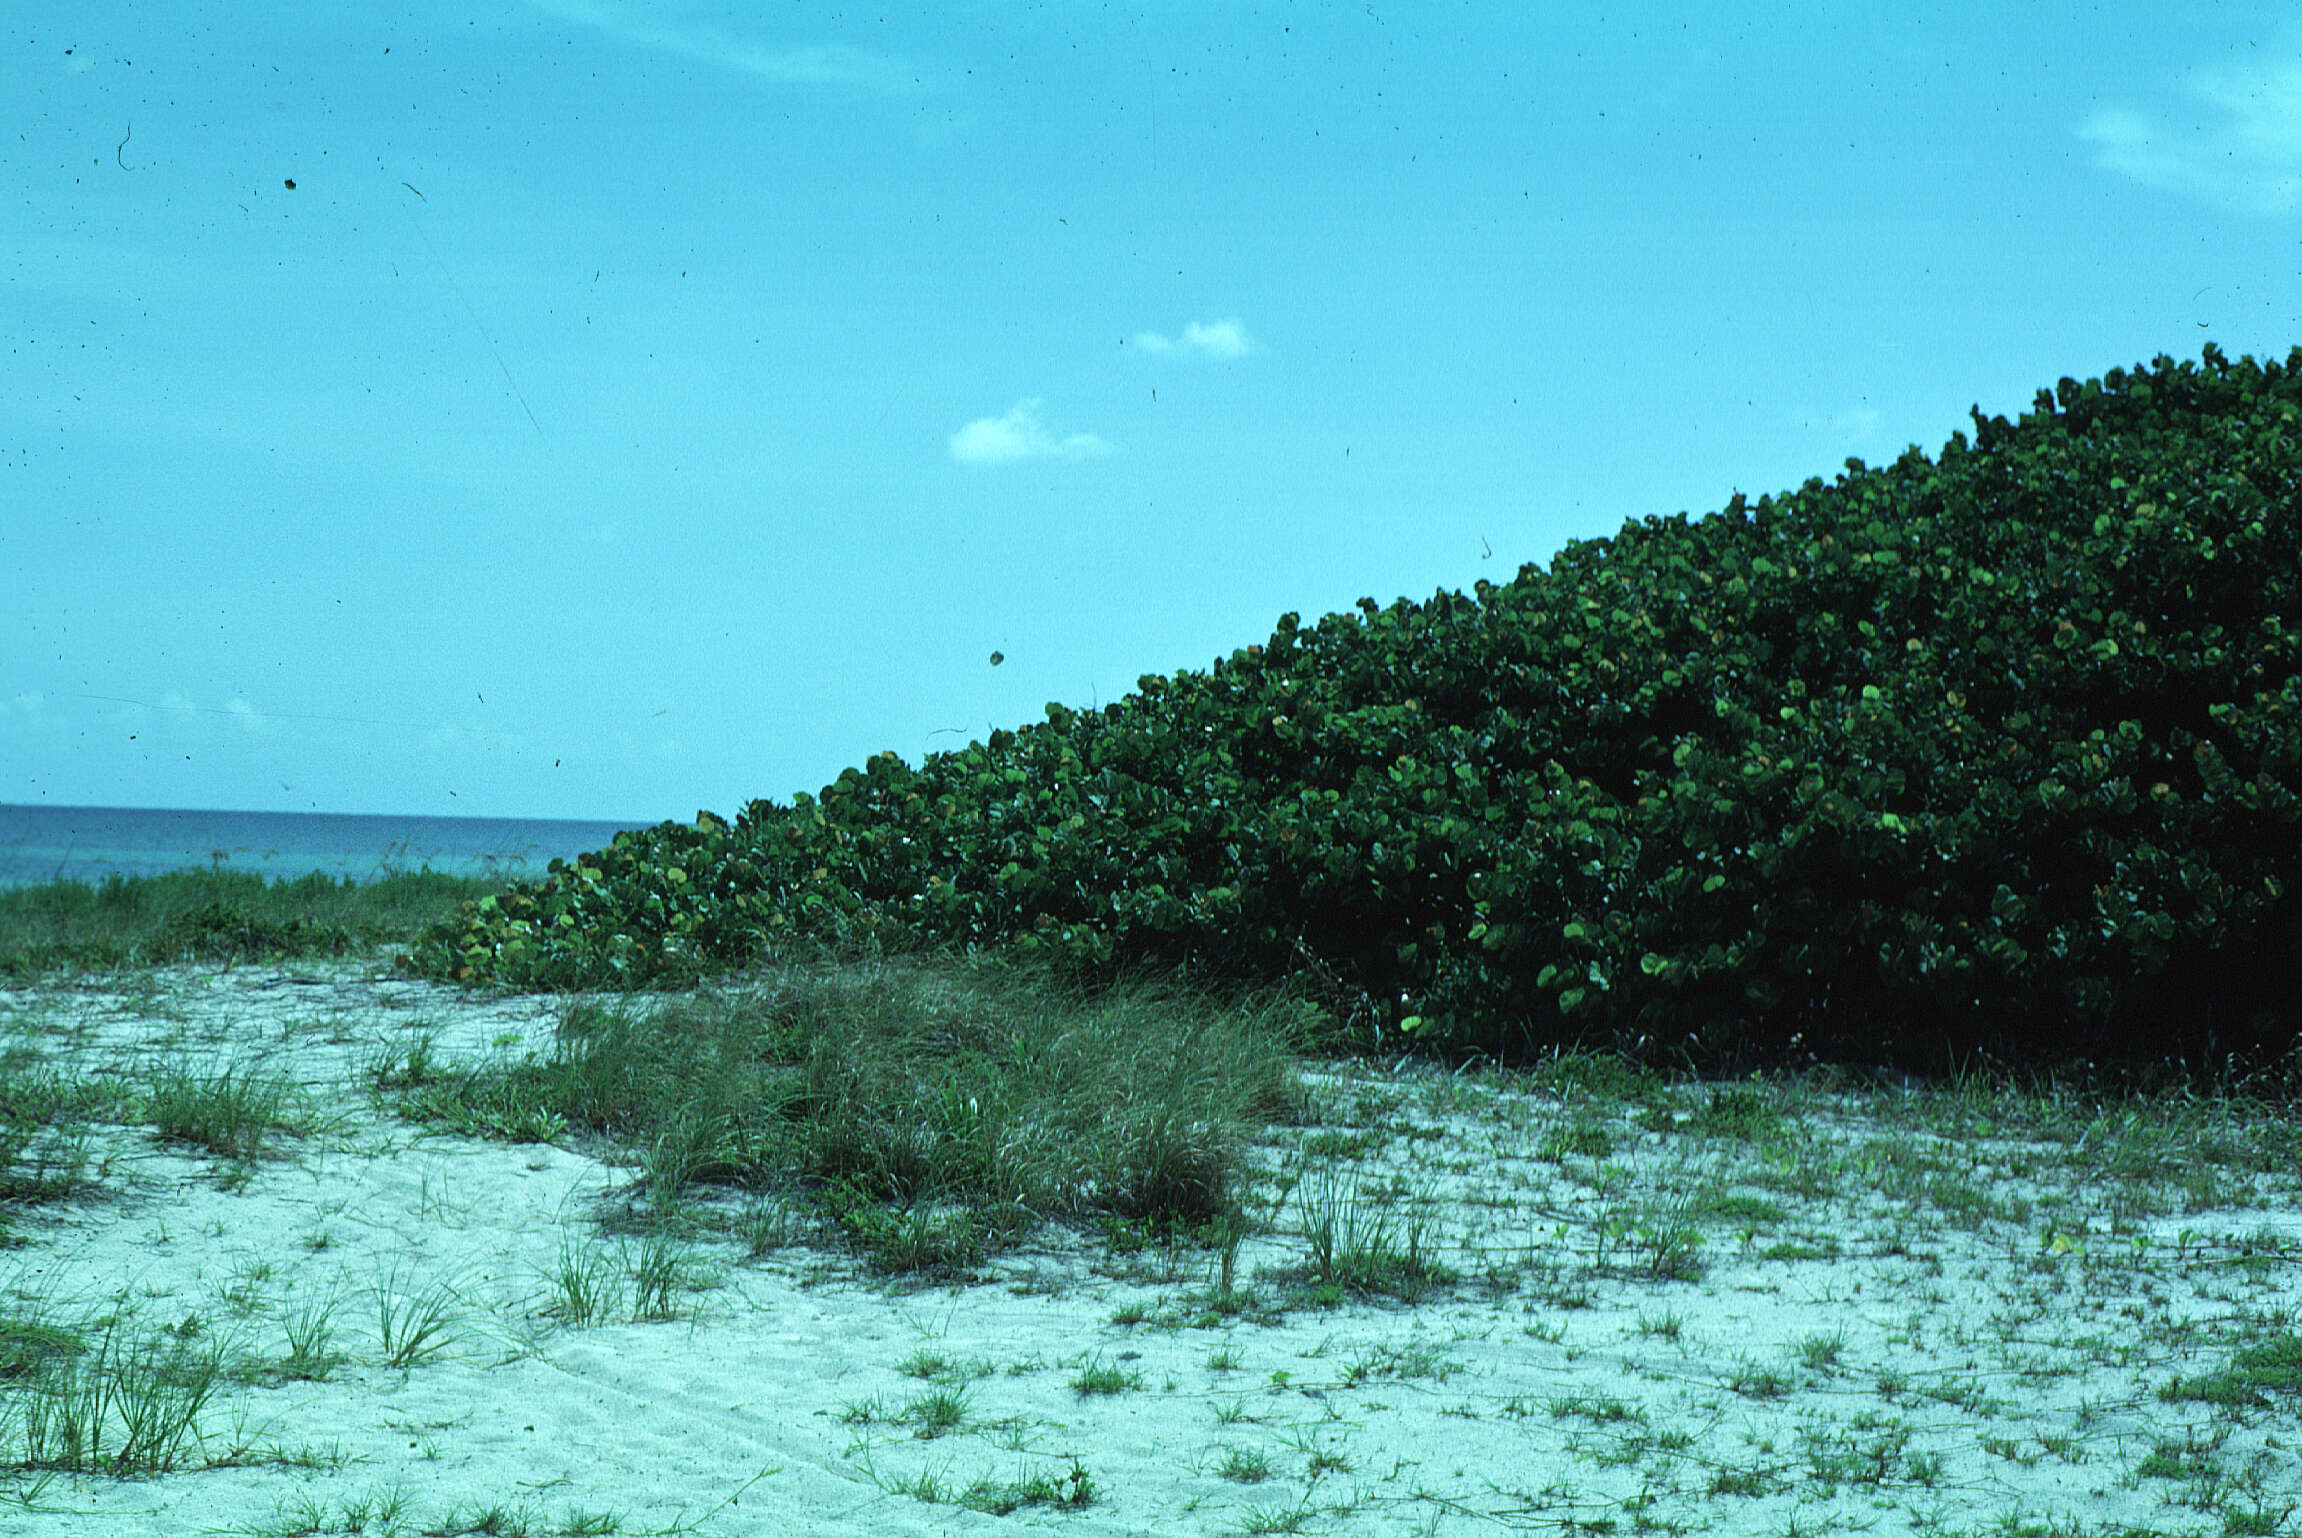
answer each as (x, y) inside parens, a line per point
(603, 534)
(244, 713)
(2246, 153)
(811, 65)
(1019, 435)
(1202, 339)
(1853, 427)
(29, 701)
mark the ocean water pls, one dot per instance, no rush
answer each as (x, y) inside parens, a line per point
(88, 843)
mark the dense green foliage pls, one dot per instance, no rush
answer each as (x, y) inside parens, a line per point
(214, 915)
(1996, 750)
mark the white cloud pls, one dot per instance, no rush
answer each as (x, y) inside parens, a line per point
(2245, 153)
(1203, 339)
(818, 64)
(1853, 429)
(1859, 424)
(1019, 435)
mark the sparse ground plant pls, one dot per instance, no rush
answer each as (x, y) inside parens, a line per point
(1400, 1362)
(936, 1413)
(1362, 1239)
(1668, 1325)
(662, 1269)
(2263, 1373)
(415, 1322)
(1097, 1377)
(119, 1404)
(45, 1137)
(933, 1366)
(310, 1329)
(1244, 1465)
(230, 1113)
(1656, 1236)
(1742, 1111)
(1750, 1379)
(1281, 1517)
(1072, 1489)
(1821, 1351)
(585, 1283)
(383, 1514)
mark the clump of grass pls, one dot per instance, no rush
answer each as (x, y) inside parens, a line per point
(1604, 1078)
(1244, 1465)
(44, 1136)
(471, 1102)
(228, 1114)
(310, 1332)
(1363, 1240)
(1583, 1140)
(1655, 1237)
(1292, 1518)
(585, 1284)
(29, 1346)
(223, 931)
(1097, 1378)
(126, 1407)
(930, 1366)
(1073, 1490)
(1753, 1381)
(382, 1512)
(929, 1110)
(2257, 1376)
(414, 1324)
(939, 1412)
(660, 1271)
(1743, 1112)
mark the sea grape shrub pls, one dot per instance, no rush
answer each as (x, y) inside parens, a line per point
(1997, 750)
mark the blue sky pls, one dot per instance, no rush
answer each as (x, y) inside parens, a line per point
(640, 407)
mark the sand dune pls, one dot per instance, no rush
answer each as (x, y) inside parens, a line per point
(1751, 1309)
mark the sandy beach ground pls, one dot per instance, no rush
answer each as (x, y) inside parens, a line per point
(1762, 1308)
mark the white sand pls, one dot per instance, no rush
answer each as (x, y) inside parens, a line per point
(2006, 1315)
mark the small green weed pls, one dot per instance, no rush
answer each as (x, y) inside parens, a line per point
(1244, 1465)
(414, 1324)
(2258, 1375)
(1097, 1378)
(1361, 1241)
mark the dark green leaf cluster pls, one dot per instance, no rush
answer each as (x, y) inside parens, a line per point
(1997, 750)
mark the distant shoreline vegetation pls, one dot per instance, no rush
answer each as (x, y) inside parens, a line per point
(1995, 754)
(216, 915)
